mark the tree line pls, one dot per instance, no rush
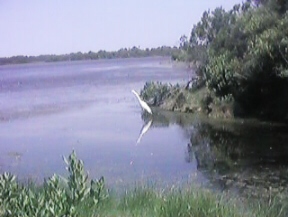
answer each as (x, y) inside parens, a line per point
(102, 54)
(242, 55)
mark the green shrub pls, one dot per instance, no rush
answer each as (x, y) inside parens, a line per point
(56, 198)
(156, 92)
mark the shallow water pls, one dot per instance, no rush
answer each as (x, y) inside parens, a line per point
(49, 109)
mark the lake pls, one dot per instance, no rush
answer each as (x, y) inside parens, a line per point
(49, 109)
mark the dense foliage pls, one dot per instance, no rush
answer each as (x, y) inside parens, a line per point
(102, 54)
(58, 197)
(73, 197)
(242, 56)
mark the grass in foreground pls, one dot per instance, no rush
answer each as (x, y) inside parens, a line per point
(74, 197)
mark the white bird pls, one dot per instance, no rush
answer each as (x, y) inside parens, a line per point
(142, 103)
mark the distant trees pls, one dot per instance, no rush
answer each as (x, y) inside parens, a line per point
(102, 54)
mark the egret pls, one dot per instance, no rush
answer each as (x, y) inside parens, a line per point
(142, 103)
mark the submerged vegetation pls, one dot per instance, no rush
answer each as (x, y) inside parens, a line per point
(102, 54)
(73, 197)
(241, 57)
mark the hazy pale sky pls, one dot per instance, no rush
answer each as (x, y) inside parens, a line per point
(33, 27)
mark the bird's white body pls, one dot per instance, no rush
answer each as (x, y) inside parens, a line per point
(143, 104)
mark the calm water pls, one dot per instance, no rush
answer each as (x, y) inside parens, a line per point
(49, 109)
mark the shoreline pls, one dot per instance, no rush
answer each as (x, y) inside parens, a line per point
(198, 99)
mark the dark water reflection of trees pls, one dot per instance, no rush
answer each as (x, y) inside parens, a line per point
(236, 155)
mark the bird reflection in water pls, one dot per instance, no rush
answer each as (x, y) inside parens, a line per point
(144, 129)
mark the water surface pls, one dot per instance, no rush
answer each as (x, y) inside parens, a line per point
(49, 109)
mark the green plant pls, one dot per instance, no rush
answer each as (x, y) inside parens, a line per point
(97, 191)
(53, 199)
(77, 179)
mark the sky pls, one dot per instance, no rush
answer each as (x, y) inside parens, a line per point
(34, 27)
